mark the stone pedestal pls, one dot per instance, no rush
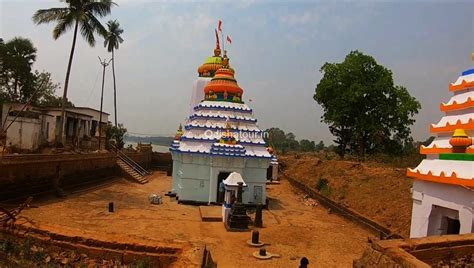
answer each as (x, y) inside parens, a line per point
(238, 219)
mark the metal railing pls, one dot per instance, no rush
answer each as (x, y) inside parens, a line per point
(129, 161)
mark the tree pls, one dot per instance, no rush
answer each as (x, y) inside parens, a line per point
(307, 146)
(363, 107)
(320, 146)
(17, 57)
(275, 138)
(115, 133)
(77, 13)
(46, 96)
(112, 41)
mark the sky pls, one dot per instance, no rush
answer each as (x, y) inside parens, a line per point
(277, 50)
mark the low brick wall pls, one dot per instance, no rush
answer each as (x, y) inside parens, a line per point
(142, 158)
(34, 173)
(30, 174)
(419, 252)
(162, 161)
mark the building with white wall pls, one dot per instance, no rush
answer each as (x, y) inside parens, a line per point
(28, 128)
(443, 187)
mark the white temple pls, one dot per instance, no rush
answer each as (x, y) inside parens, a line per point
(443, 189)
(220, 136)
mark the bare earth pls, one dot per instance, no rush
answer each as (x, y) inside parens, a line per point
(292, 227)
(378, 191)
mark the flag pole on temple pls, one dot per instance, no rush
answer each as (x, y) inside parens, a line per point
(219, 27)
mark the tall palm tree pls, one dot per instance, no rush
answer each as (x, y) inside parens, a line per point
(112, 41)
(81, 14)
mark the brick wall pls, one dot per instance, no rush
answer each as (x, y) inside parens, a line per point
(28, 174)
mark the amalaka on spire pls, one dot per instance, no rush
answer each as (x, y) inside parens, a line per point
(213, 63)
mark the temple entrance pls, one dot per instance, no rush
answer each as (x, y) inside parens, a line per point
(453, 226)
(270, 173)
(443, 221)
(220, 186)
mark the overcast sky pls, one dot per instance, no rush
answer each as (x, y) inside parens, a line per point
(277, 50)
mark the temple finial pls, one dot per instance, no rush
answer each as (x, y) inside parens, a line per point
(217, 50)
(225, 60)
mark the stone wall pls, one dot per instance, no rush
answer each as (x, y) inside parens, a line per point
(419, 252)
(142, 158)
(34, 173)
(162, 159)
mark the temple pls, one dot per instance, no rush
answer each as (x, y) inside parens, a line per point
(443, 187)
(220, 137)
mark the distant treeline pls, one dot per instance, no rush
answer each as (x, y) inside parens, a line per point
(286, 142)
(164, 141)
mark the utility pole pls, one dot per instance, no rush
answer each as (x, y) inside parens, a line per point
(104, 64)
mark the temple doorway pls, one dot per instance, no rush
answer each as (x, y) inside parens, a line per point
(220, 186)
(443, 221)
(453, 226)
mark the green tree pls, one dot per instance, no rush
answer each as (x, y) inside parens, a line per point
(307, 146)
(46, 96)
(276, 138)
(320, 146)
(115, 133)
(291, 143)
(77, 14)
(17, 57)
(112, 41)
(363, 107)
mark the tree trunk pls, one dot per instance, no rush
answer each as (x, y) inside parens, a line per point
(115, 87)
(362, 147)
(16, 90)
(66, 84)
(101, 103)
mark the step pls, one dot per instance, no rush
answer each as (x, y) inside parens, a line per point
(132, 171)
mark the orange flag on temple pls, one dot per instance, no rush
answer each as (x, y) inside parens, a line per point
(219, 26)
(229, 40)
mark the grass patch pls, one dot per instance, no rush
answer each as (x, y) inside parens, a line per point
(322, 185)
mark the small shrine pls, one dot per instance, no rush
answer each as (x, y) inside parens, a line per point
(220, 138)
(443, 187)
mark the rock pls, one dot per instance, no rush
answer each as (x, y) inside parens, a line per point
(64, 261)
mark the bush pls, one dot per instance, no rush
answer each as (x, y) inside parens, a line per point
(322, 184)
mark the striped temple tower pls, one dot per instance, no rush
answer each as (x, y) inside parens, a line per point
(443, 187)
(220, 136)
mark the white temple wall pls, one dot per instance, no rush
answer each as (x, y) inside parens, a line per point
(198, 92)
(432, 202)
(191, 176)
(195, 177)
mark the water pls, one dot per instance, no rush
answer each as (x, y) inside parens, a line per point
(156, 147)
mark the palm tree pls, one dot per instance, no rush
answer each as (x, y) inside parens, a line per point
(112, 41)
(81, 14)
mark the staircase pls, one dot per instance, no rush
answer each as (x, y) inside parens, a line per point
(130, 167)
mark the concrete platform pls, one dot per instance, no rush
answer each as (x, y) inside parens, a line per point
(211, 213)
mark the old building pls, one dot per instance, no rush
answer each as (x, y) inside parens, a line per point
(28, 128)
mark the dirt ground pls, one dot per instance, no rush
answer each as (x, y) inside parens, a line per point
(293, 226)
(379, 191)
